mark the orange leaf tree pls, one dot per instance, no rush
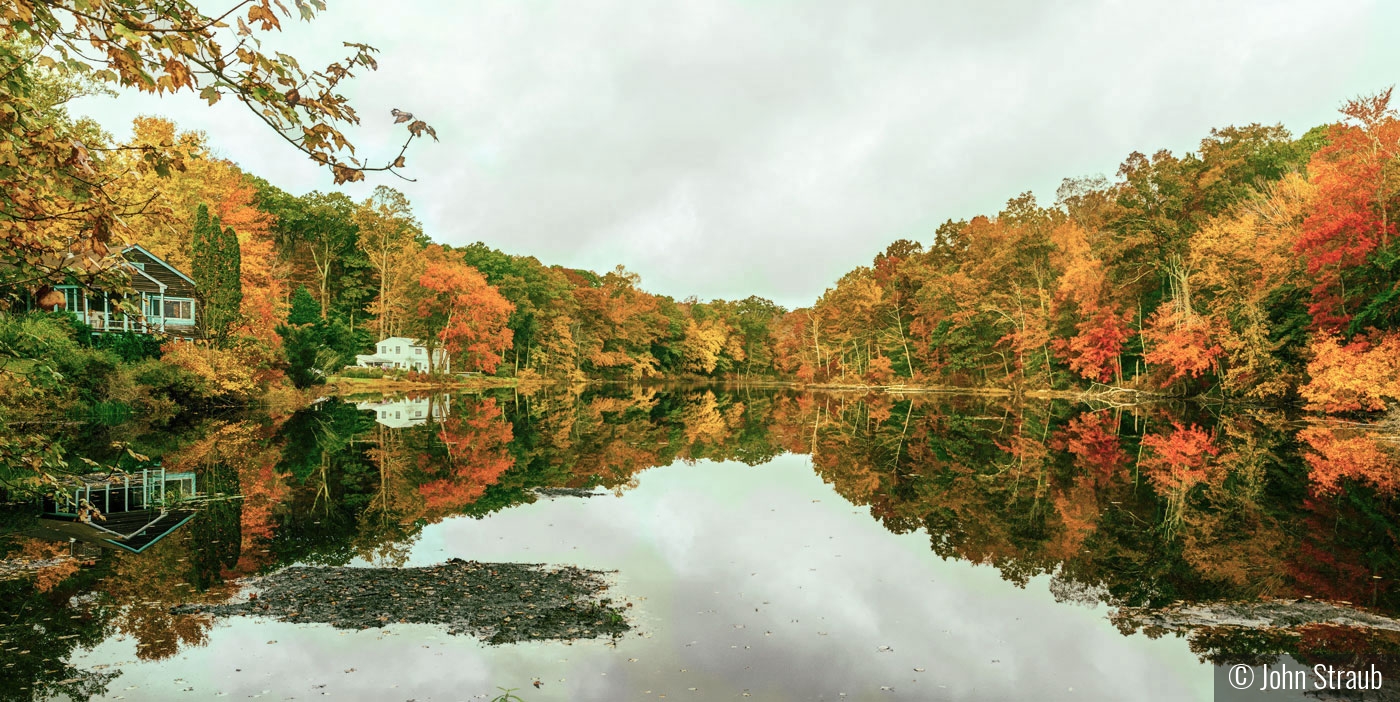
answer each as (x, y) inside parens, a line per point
(1181, 343)
(1359, 375)
(463, 312)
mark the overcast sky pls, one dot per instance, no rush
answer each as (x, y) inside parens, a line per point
(725, 148)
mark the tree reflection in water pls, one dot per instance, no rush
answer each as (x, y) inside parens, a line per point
(1137, 507)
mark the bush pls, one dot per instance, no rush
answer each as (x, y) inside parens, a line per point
(166, 386)
(130, 347)
(59, 363)
(223, 374)
(359, 372)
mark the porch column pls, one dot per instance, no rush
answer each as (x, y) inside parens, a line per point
(106, 311)
(162, 309)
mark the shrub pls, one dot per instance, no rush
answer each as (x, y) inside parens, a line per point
(58, 362)
(223, 374)
(359, 372)
(166, 386)
(130, 347)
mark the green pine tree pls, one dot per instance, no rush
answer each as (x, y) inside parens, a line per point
(232, 279)
(305, 308)
(217, 263)
(199, 250)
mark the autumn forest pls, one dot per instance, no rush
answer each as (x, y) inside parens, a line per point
(1259, 268)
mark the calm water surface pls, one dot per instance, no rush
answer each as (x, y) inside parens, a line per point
(777, 545)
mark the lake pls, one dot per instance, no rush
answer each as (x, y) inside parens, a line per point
(726, 542)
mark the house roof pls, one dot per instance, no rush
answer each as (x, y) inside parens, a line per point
(159, 260)
(403, 339)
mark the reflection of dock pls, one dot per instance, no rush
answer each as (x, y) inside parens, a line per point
(407, 412)
(130, 511)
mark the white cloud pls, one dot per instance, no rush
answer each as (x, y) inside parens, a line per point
(732, 148)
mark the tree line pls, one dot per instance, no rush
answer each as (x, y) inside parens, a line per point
(1261, 266)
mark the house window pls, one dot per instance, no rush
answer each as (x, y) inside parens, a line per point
(398, 349)
(176, 310)
(70, 299)
(417, 351)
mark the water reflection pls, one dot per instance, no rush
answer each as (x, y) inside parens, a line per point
(1129, 511)
(400, 412)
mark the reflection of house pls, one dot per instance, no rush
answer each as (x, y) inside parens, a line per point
(136, 509)
(403, 352)
(163, 296)
(407, 412)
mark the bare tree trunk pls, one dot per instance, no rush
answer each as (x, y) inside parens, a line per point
(899, 320)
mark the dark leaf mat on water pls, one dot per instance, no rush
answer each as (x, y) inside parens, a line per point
(497, 602)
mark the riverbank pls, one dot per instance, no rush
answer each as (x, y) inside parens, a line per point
(1100, 393)
(341, 385)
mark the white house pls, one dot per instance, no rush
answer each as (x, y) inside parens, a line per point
(405, 353)
(408, 412)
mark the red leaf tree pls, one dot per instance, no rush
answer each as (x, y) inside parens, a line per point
(1350, 218)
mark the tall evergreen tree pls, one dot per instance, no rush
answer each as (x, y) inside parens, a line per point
(199, 251)
(305, 308)
(217, 263)
(231, 273)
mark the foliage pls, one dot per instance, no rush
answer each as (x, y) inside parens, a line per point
(220, 374)
(55, 175)
(217, 268)
(305, 309)
(130, 347)
(1181, 343)
(1360, 375)
(458, 309)
(1338, 456)
(355, 372)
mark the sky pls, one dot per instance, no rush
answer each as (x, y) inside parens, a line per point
(727, 148)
